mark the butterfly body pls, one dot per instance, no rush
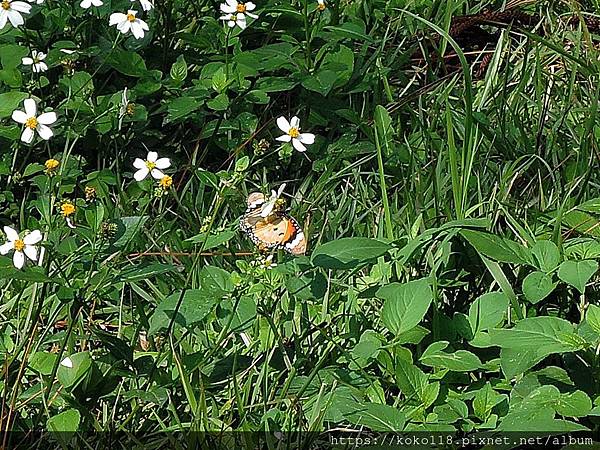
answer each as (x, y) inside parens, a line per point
(270, 227)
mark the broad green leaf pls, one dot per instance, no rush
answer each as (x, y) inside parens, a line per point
(64, 425)
(9, 101)
(485, 399)
(347, 253)
(405, 304)
(127, 229)
(575, 404)
(73, 368)
(488, 311)
(215, 281)
(181, 107)
(459, 361)
(11, 56)
(497, 248)
(378, 417)
(43, 362)
(414, 384)
(194, 306)
(179, 70)
(592, 317)
(238, 316)
(577, 273)
(537, 286)
(547, 255)
(210, 241)
(128, 63)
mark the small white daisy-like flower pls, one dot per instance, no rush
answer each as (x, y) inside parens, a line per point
(36, 61)
(235, 13)
(10, 11)
(22, 247)
(292, 133)
(86, 4)
(33, 122)
(153, 165)
(129, 22)
(269, 205)
(321, 5)
(268, 263)
(146, 4)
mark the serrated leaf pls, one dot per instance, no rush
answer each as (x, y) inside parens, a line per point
(405, 304)
(537, 286)
(488, 311)
(577, 273)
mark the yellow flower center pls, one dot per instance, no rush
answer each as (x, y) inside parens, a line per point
(19, 245)
(150, 165)
(51, 165)
(67, 209)
(5, 5)
(321, 6)
(241, 8)
(166, 182)
(130, 109)
(31, 123)
(131, 17)
(294, 132)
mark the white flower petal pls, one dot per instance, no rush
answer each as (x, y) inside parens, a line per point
(284, 138)
(19, 116)
(33, 238)
(295, 122)
(44, 131)
(307, 138)
(250, 6)
(15, 18)
(139, 163)
(152, 157)
(18, 259)
(136, 29)
(27, 61)
(47, 118)
(85, 4)
(3, 18)
(11, 233)
(6, 247)
(283, 124)
(241, 21)
(124, 27)
(298, 145)
(141, 174)
(31, 252)
(40, 56)
(163, 163)
(40, 67)
(254, 16)
(157, 174)
(27, 135)
(116, 18)
(30, 107)
(21, 7)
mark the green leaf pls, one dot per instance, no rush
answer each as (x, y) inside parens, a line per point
(414, 383)
(592, 317)
(181, 107)
(532, 339)
(73, 369)
(485, 399)
(179, 70)
(459, 361)
(377, 417)
(11, 56)
(195, 305)
(212, 240)
(127, 63)
(127, 229)
(9, 101)
(575, 404)
(497, 248)
(547, 255)
(64, 425)
(537, 286)
(219, 103)
(577, 273)
(352, 30)
(43, 362)
(405, 304)
(347, 253)
(488, 311)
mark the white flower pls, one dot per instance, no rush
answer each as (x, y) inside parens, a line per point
(235, 13)
(292, 133)
(36, 61)
(268, 206)
(11, 11)
(321, 5)
(21, 247)
(146, 4)
(268, 263)
(86, 4)
(33, 122)
(127, 22)
(152, 165)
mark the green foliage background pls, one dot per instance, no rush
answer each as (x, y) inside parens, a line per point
(450, 282)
